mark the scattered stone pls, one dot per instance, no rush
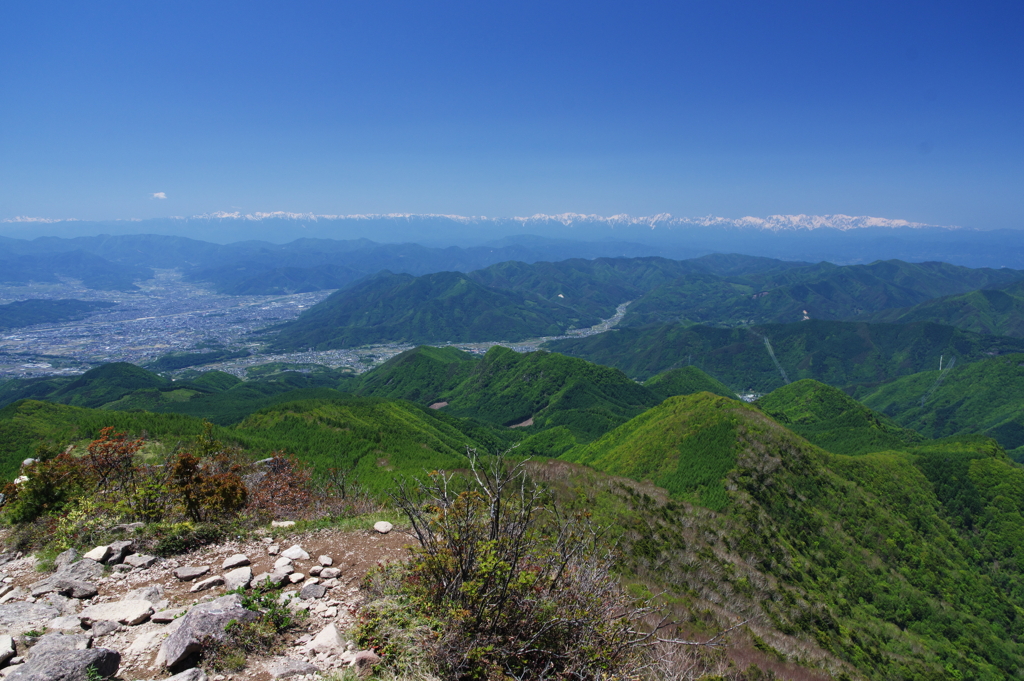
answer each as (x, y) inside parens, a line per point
(331, 612)
(104, 628)
(282, 562)
(331, 583)
(187, 574)
(238, 578)
(69, 665)
(85, 570)
(5, 589)
(284, 570)
(118, 551)
(6, 648)
(235, 561)
(22, 615)
(282, 523)
(315, 570)
(194, 674)
(126, 612)
(295, 553)
(122, 567)
(208, 583)
(165, 616)
(326, 561)
(74, 588)
(140, 560)
(364, 661)
(312, 591)
(330, 573)
(55, 643)
(273, 549)
(328, 641)
(203, 622)
(65, 558)
(296, 577)
(65, 623)
(283, 667)
(98, 554)
(383, 526)
(312, 580)
(151, 593)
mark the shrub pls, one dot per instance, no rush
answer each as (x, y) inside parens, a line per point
(503, 585)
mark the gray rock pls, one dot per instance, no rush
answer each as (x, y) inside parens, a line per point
(19, 616)
(104, 628)
(151, 593)
(203, 622)
(165, 616)
(282, 523)
(71, 623)
(295, 552)
(194, 674)
(53, 643)
(6, 648)
(69, 665)
(74, 588)
(315, 570)
(273, 550)
(127, 527)
(65, 558)
(126, 612)
(187, 574)
(67, 606)
(283, 667)
(284, 570)
(207, 583)
(296, 577)
(140, 560)
(85, 570)
(383, 527)
(325, 561)
(312, 591)
(98, 554)
(328, 641)
(238, 578)
(236, 561)
(121, 568)
(330, 573)
(364, 661)
(118, 551)
(282, 562)
(274, 578)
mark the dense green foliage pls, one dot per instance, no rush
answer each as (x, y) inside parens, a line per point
(836, 353)
(40, 311)
(446, 306)
(822, 291)
(998, 311)
(686, 381)
(834, 421)
(981, 397)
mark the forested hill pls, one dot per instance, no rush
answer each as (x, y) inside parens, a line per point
(838, 353)
(514, 300)
(998, 311)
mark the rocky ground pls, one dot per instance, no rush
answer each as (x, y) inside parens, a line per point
(135, 616)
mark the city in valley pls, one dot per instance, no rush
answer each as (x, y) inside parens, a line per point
(168, 314)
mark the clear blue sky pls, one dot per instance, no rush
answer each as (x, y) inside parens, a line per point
(908, 110)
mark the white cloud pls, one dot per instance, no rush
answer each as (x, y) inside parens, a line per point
(159, 195)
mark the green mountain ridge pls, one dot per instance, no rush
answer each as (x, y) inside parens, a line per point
(997, 311)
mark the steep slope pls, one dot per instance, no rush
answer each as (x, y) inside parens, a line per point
(833, 420)
(980, 397)
(878, 565)
(542, 390)
(446, 306)
(837, 353)
(418, 375)
(998, 311)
